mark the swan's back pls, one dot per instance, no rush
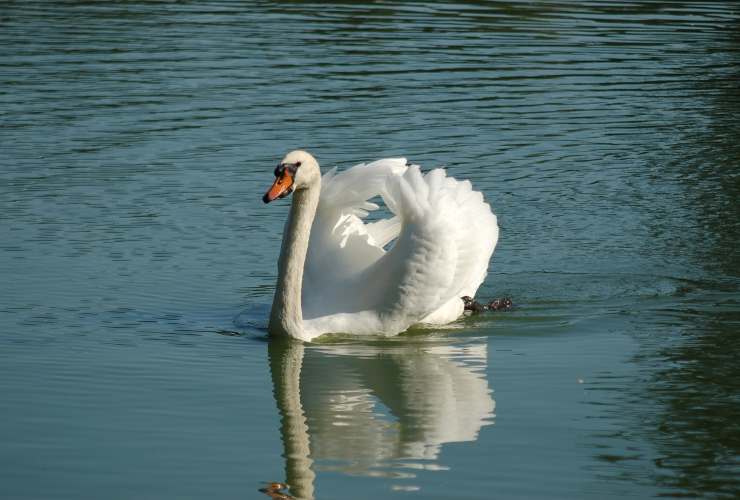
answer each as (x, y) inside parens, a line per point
(440, 240)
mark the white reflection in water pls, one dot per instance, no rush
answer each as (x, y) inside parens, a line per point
(376, 410)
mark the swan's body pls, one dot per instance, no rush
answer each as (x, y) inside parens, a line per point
(335, 275)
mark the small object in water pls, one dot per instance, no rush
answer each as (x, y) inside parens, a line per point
(473, 305)
(499, 304)
(495, 305)
(275, 490)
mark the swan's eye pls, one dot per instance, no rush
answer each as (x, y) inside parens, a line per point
(286, 167)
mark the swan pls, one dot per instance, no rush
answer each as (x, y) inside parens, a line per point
(340, 274)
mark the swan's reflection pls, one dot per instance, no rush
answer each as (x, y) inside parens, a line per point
(381, 410)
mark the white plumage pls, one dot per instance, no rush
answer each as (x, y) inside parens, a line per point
(439, 242)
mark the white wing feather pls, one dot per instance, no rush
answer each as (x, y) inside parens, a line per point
(445, 235)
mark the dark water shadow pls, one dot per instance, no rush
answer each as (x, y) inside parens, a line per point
(693, 390)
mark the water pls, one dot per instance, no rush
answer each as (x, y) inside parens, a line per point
(138, 261)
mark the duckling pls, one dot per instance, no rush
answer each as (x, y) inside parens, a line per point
(476, 307)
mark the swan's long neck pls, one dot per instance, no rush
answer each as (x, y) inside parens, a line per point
(286, 317)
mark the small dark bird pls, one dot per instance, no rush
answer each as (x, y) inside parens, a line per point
(500, 304)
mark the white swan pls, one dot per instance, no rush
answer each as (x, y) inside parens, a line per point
(334, 273)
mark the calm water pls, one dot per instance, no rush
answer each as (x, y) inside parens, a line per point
(138, 262)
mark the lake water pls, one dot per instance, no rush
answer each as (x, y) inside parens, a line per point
(138, 261)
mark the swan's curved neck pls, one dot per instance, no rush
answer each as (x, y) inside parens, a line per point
(286, 317)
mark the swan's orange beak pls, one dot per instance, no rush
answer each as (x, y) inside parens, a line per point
(281, 188)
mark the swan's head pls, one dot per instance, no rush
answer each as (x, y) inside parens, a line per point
(298, 170)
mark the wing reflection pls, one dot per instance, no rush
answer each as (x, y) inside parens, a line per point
(380, 410)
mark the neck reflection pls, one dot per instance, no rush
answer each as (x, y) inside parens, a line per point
(380, 409)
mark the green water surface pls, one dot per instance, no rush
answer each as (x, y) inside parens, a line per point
(138, 262)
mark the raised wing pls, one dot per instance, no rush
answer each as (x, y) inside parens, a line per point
(444, 237)
(342, 246)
